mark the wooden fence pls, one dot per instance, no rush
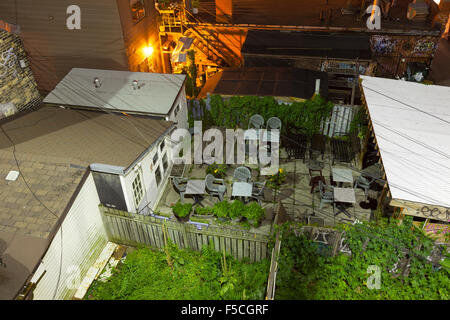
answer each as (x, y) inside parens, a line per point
(133, 229)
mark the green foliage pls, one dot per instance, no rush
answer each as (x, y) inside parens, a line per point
(359, 124)
(182, 210)
(236, 112)
(221, 209)
(146, 275)
(254, 212)
(237, 209)
(304, 274)
(276, 180)
(204, 211)
(191, 71)
(217, 170)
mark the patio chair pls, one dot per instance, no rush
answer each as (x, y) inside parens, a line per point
(326, 196)
(242, 174)
(256, 122)
(180, 186)
(363, 183)
(214, 189)
(274, 123)
(258, 191)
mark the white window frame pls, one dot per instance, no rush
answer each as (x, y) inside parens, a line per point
(138, 186)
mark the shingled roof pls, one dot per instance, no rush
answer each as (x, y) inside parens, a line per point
(53, 148)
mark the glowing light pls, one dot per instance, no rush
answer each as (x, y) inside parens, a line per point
(148, 51)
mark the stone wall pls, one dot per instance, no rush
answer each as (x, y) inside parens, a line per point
(18, 89)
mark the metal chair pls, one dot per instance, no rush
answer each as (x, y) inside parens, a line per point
(258, 191)
(325, 196)
(180, 186)
(256, 122)
(242, 174)
(363, 183)
(213, 189)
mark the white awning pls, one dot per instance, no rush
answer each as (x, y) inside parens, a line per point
(411, 122)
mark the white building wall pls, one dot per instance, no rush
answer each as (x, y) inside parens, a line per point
(83, 239)
(182, 116)
(147, 169)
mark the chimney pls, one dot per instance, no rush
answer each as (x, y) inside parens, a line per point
(97, 83)
(224, 11)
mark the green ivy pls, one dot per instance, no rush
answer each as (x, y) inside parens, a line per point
(305, 274)
(236, 111)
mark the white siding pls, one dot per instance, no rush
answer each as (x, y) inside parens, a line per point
(148, 169)
(182, 115)
(83, 239)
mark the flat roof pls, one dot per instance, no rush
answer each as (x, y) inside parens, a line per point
(156, 95)
(307, 44)
(262, 81)
(411, 122)
(307, 13)
(54, 147)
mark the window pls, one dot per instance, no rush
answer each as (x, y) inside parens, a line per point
(161, 146)
(165, 162)
(158, 176)
(155, 158)
(138, 191)
(137, 10)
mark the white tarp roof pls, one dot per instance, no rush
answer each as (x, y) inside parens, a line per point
(156, 95)
(411, 122)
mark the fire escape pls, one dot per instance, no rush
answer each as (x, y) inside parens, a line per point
(178, 22)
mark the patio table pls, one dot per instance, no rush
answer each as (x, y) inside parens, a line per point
(242, 189)
(342, 175)
(196, 188)
(342, 198)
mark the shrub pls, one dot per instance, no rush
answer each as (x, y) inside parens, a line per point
(182, 210)
(253, 211)
(204, 211)
(222, 209)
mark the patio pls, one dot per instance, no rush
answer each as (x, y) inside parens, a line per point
(295, 194)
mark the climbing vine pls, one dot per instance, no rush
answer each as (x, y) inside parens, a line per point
(305, 274)
(235, 112)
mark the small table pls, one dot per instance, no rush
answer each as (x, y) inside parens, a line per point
(242, 189)
(343, 197)
(342, 175)
(196, 188)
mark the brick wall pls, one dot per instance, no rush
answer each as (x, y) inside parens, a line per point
(18, 89)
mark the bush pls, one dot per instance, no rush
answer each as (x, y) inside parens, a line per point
(147, 275)
(254, 212)
(182, 210)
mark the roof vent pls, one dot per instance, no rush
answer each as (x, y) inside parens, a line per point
(97, 83)
(12, 175)
(135, 84)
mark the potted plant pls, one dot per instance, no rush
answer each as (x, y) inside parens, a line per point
(221, 210)
(276, 180)
(195, 6)
(237, 209)
(182, 211)
(254, 213)
(204, 212)
(217, 170)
